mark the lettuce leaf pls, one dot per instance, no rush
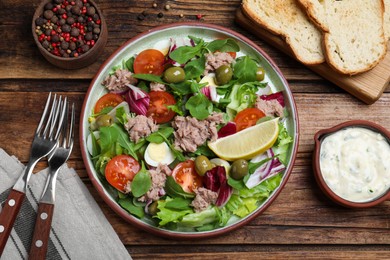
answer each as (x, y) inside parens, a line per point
(167, 215)
(202, 218)
(282, 144)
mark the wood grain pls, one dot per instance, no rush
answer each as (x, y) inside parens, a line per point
(301, 223)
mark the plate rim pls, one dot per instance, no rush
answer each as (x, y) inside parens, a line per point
(176, 234)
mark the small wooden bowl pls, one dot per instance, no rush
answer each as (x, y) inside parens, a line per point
(319, 137)
(73, 62)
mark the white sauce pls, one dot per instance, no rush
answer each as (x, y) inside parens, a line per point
(355, 164)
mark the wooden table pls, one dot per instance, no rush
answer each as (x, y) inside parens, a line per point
(301, 223)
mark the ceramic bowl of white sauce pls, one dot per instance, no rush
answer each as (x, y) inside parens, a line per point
(351, 163)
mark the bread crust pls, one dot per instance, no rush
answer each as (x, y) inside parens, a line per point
(331, 49)
(248, 10)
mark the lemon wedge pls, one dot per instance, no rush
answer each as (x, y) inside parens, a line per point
(247, 143)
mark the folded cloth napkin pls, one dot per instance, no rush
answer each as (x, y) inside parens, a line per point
(79, 228)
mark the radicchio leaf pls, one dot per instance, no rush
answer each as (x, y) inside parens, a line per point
(278, 96)
(215, 180)
(138, 100)
(229, 129)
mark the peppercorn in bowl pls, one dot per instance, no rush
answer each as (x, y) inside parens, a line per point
(69, 34)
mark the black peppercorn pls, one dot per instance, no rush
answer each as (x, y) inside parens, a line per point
(54, 19)
(84, 48)
(62, 21)
(58, 1)
(66, 28)
(88, 36)
(76, 10)
(68, 8)
(39, 21)
(72, 46)
(48, 14)
(70, 20)
(45, 44)
(79, 3)
(95, 17)
(140, 17)
(47, 32)
(64, 45)
(49, 6)
(91, 10)
(160, 15)
(96, 30)
(95, 37)
(80, 19)
(74, 32)
(61, 11)
(55, 38)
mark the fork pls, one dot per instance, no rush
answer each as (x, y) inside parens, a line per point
(45, 141)
(46, 204)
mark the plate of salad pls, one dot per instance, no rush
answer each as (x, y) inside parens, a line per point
(189, 130)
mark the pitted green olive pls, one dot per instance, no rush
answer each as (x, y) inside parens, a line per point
(202, 165)
(174, 75)
(260, 74)
(103, 120)
(239, 169)
(153, 209)
(223, 74)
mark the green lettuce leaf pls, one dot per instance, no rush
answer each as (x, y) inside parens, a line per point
(169, 215)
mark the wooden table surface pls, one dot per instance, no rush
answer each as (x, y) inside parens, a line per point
(301, 223)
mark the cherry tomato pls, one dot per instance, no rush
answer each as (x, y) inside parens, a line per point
(120, 170)
(108, 100)
(159, 100)
(149, 61)
(185, 175)
(247, 117)
(232, 54)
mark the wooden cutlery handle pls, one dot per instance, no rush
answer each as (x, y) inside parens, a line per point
(42, 228)
(8, 215)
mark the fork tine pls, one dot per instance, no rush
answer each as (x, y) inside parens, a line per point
(71, 131)
(52, 115)
(62, 119)
(65, 127)
(43, 114)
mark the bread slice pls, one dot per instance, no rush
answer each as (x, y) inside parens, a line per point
(286, 19)
(353, 38)
(386, 23)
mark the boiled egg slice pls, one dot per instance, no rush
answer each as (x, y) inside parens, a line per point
(209, 79)
(158, 153)
(163, 46)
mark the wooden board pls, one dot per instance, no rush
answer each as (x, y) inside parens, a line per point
(367, 86)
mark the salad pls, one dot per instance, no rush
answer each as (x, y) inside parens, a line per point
(189, 137)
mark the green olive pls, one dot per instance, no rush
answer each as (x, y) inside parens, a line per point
(153, 209)
(260, 74)
(104, 120)
(202, 165)
(174, 75)
(223, 74)
(239, 169)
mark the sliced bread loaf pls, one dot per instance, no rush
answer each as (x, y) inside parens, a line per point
(286, 19)
(354, 39)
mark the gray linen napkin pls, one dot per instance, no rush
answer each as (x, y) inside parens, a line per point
(79, 228)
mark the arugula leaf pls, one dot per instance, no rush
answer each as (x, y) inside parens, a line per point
(199, 106)
(195, 68)
(108, 137)
(149, 77)
(186, 53)
(121, 115)
(128, 205)
(157, 138)
(175, 190)
(237, 184)
(245, 69)
(129, 64)
(95, 145)
(225, 45)
(141, 182)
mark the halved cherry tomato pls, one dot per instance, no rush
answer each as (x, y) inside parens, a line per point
(247, 117)
(232, 54)
(185, 175)
(108, 100)
(149, 61)
(120, 170)
(158, 110)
